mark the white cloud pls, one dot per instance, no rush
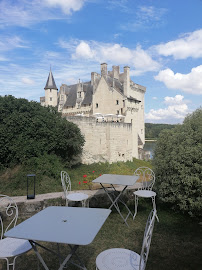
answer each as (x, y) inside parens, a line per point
(3, 58)
(83, 50)
(146, 17)
(27, 81)
(121, 5)
(190, 83)
(175, 112)
(189, 45)
(10, 42)
(67, 6)
(174, 100)
(25, 13)
(139, 60)
(155, 98)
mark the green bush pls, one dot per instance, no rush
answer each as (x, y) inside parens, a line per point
(178, 165)
(29, 130)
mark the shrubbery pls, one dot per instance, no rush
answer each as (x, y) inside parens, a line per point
(178, 165)
(29, 130)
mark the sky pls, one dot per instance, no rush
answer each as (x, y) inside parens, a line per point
(161, 42)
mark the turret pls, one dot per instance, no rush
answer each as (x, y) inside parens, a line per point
(51, 91)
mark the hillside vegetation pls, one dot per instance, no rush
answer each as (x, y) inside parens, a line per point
(152, 131)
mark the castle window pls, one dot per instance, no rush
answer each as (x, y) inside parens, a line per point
(62, 97)
(118, 112)
(50, 98)
(123, 103)
(96, 105)
(117, 102)
(79, 94)
(50, 90)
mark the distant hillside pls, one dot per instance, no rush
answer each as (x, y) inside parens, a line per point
(152, 130)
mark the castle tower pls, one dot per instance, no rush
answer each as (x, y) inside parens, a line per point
(51, 91)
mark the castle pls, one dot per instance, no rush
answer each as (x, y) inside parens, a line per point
(109, 110)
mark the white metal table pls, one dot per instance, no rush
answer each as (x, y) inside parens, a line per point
(121, 180)
(61, 224)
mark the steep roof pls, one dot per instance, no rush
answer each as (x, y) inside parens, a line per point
(72, 95)
(50, 84)
(88, 89)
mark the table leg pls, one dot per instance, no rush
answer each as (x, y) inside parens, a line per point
(115, 202)
(73, 250)
(38, 254)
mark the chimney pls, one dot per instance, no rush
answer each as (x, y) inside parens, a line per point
(103, 69)
(126, 81)
(93, 76)
(115, 72)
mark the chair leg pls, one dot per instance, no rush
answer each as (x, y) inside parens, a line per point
(83, 203)
(136, 205)
(154, 206)
(11, 264)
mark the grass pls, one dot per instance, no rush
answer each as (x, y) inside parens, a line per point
(175, 243)
(13, 182)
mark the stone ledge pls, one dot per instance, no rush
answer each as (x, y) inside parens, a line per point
(97, 198)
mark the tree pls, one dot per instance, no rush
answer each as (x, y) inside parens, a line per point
(29, 130)
(152, 131)
(178, 165)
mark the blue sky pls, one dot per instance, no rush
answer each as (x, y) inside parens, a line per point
(161, 41)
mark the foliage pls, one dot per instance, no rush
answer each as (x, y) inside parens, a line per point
(152, 131)
(29, 130)
(178, 165)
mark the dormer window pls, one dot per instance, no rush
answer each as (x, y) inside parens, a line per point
(50, 90)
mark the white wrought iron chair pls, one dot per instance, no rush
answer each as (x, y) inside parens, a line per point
(125, 259)
(10, 248)
(147, 178)
(77, 196)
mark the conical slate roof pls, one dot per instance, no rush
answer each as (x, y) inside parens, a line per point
(50, 82)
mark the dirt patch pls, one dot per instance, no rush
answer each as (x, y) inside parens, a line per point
(9, 173)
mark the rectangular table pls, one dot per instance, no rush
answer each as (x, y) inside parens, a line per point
(121, 180)
(74, 226)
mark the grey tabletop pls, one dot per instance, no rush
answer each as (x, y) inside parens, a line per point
(115, 179)
(61, 224)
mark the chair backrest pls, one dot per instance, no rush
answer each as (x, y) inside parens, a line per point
(8, 214)
(147, 239)
(66, 182)
(147, 177)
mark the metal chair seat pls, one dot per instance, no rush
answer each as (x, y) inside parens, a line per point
(72, 196)
(145, 193)
(11, 247)
(125, 259)
(147, 179)
(118, 259)
(77, 197)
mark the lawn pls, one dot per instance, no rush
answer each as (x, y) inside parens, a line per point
(176, 242)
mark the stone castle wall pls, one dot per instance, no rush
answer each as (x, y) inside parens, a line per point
(105, 141)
